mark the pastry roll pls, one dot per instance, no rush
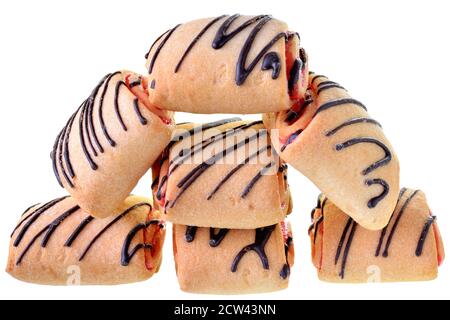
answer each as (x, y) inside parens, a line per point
(223, 261)
(229, 64)
(57, 243)
(331, 139)
(223, 175)
(109, 143)
(409, 248)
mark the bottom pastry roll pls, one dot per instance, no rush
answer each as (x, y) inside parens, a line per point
(409, 248)
(223, 261)
(56, 243)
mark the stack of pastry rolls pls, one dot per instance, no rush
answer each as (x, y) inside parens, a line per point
(226, 193)
(223, 184)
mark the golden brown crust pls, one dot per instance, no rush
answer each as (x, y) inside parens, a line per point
(205, 269)
(238, 191)
(204, 81)
(120, 140)
(45, 248)
(409, 249)
(332, 140)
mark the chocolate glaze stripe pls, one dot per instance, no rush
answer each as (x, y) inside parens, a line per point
(316, 227)
(196, 39)
(397, 221)
(194, 174)
(286, 270)
(351, 122)
(86, 128)
(116, 104)
(374, 201)
(53, 157)
(215, 239)
(186, 154)
(293, 115)
(347, 249)
(50, 228)
(328, 87)
(380, 163)
(155, 182)
(154, 43)
(262, 236)
(138, 112)
(222, 38)
(383, 232)
(28, 216)
(236, 169)
(269, 62)
(31, 219)
(109, 225)
(255, 179)
(317, 77)
(29, 208)
(78, 231)
(190, 233)
(111, 142)
(342, 240)
(202, 128)
(160, 47)
(424, 234)
(160, 188)
(126, 255)
(88, 156)
(338, 103)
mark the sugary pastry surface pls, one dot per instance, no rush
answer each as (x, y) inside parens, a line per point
(223, 261)
(227, 64)
(410, 248)
(332, 140)
(109, 143)
(57, 243)
(222, 174)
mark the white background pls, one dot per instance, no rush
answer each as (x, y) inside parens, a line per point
(392, 55)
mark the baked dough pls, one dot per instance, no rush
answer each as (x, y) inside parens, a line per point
(109, 144)
(331, 139)
(223, 175)
(410, 248)
(207, 260)
(57, 243)
(229, 64)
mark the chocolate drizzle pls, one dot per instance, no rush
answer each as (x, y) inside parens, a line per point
(158, 50)
(351, 122)
(127, 255)
(424, 234)
(89, 140)
(190, 233)
(255, 179)
(353, 225)
(196, 39)
(394, 227)
(31, 219)
(338, 103)
(262, 236)
(49, 229)
(291, 139)
(194, 174)
(286, 270)
(109, 225)
(78, 231)
(387, 158)
(294, 74)
(215, 239)
(374, 201)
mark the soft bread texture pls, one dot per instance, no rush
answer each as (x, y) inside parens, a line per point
(102, 165)
(331, 139)
(195, 185)
(204, 269)
(409, 249)
(61, 263)
(193, 76)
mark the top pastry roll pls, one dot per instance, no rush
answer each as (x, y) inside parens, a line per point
(229, 64)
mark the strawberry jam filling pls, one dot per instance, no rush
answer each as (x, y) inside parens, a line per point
(138, 85)
(153, 235)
